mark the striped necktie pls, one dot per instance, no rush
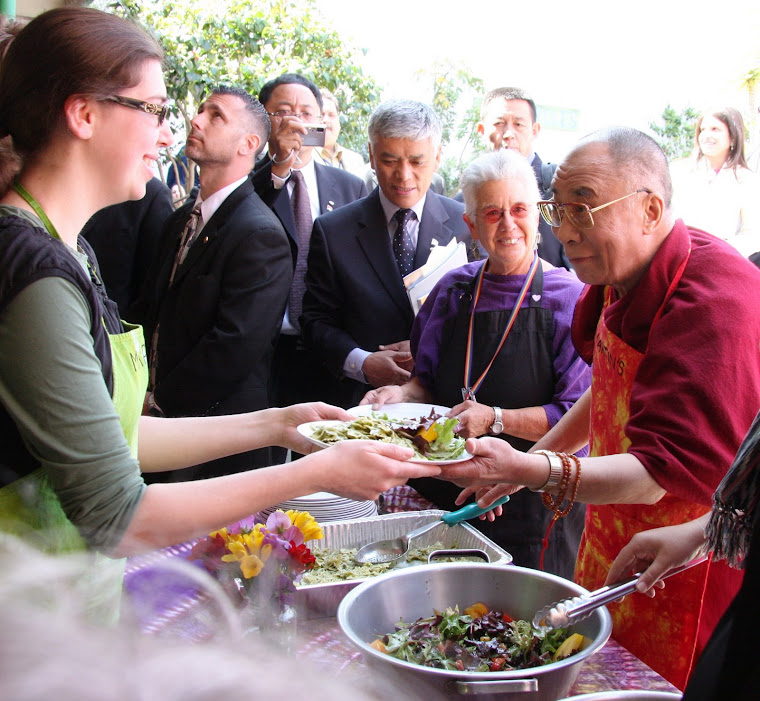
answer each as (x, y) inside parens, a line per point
(301, 204)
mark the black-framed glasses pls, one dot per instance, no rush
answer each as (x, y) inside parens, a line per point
(160, 111)
(305, 116)
(493, 215)
(578, 213)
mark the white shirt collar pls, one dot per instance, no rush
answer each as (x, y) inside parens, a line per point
(390, 209)
(213, 202)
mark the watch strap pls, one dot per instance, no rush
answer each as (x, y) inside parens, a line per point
(497, 427)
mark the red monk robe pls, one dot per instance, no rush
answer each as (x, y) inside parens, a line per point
(676, 382)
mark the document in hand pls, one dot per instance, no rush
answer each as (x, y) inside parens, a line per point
(442, 259)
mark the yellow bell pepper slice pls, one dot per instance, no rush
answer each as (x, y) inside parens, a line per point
(476, 610)
(572, 644)
(429, 434)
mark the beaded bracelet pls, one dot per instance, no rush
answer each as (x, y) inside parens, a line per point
(554, 504)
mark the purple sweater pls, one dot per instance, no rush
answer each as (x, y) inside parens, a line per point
(561, 291)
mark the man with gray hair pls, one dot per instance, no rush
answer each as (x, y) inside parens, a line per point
(670, 323)
(356, 314)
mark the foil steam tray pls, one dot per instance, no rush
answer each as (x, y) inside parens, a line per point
(322, 600)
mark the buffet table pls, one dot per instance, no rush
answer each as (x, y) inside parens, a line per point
(176, 609)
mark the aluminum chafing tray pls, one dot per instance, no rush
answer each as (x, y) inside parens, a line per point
(322, 600)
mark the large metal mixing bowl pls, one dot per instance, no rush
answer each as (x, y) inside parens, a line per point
(372, 609)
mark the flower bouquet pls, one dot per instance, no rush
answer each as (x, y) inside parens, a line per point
(263, 562)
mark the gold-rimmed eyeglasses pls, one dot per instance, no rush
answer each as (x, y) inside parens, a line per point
(578, 213)
(160, 111)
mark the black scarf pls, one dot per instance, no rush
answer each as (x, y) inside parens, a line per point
(735, 504)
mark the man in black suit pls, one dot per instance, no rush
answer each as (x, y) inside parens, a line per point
(508, 120)
(357, 317)
(126, 238)
(294, 102)
(217, 299)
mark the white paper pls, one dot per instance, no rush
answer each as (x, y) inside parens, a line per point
(442, 259)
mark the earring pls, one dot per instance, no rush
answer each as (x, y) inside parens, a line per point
(537, 241)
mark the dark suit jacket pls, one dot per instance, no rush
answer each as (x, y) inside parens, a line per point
(550, 248)
(126, 239)
(354, 293)
(336, 188)
(221, 316)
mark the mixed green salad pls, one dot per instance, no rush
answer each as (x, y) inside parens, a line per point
(432, 437)
(477, 640)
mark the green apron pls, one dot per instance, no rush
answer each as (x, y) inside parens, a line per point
(30, 505)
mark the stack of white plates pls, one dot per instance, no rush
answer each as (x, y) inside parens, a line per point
(324, 506)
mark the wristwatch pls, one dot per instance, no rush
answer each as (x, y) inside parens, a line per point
(497, 427)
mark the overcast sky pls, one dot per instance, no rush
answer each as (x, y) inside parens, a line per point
(617, 63)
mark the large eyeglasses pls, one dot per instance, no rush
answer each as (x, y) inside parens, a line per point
(305, 116)
(492, 215)
(148, 107)
(578, 213)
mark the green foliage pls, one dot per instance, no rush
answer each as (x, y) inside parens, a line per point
(246, 43)
(453, 85)
(676, 131)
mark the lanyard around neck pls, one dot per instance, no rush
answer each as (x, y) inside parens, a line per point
(18, 187)
(29, 199)
(469, 389)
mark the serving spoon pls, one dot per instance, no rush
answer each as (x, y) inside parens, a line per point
(394, 549)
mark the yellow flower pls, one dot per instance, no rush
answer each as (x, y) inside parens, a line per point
(307, 524)
(250, 566)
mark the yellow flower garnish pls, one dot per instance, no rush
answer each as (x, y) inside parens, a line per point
(307, 524)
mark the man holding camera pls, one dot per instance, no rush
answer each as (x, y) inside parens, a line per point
(298, 191)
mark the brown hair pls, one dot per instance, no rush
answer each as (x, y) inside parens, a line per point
(10, 163)
(732, 118)
(63, 52)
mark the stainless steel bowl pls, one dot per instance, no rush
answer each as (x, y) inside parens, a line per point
(372, 609)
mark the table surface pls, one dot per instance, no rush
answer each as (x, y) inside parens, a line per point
(176, 610)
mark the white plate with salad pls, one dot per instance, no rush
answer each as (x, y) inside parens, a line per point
(429, 433)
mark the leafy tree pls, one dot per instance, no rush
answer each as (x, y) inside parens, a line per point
(452, 86)
(246, 44)
(676, 131)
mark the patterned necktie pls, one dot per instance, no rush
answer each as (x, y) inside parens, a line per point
(299, 200)
(403, 248)
(185, 241)
(187, 238)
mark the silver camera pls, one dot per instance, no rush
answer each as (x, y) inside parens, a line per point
(315, 135)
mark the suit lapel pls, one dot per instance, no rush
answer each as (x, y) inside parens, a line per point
(211, 229)
(373, 239)
(326, 187)
(434, 225)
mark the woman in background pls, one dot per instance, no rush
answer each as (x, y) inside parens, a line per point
(715, 190)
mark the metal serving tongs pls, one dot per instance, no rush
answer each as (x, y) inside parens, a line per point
(577, 608)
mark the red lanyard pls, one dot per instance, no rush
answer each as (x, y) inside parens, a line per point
(469, 390)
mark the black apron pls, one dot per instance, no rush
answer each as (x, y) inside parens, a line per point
(522, 375)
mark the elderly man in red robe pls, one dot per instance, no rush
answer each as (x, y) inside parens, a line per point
(670, 320)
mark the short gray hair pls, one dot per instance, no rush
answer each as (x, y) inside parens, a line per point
(637, 157)
(405, 119)
(504, 164)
